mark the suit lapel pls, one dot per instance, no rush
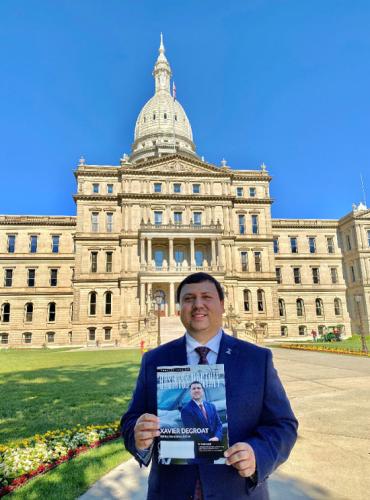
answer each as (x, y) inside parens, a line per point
(228, 352)
(178, 356)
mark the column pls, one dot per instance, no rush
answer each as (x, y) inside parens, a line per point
(149, 297)
(142, 252)
(142, 298)
(170, 254)
(172, 299)
(149, 253)
(231, 223)
(220, 259)
(213, 258)
(226, 219)
(192, 254)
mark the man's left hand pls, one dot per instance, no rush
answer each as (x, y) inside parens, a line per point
(241, 456)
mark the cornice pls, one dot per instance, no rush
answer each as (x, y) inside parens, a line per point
(95, 197)
(304, 223)
(94, 170)
(44, 257)
(42, 220)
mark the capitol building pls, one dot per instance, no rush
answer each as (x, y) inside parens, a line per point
(163, 212)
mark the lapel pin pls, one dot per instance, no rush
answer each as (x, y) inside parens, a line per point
(228, 350)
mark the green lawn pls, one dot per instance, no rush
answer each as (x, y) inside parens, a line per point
(45, 390)
(351, 344)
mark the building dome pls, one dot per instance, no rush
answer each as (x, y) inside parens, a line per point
(162, 126)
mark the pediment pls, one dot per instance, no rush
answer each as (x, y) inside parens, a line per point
(178, 165)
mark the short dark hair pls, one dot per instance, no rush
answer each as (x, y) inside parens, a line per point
(199, 278)
(197, 382)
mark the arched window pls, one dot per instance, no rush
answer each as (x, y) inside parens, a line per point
(281, 307)
(284, 331)
(28, 311)
(52, 311)
(337, 307)
(300, 307)
(247, 300)
(5, 312)
(319, 307)
(260, 300)
(27, 337)
(50, 337)
(92, 304)
(108, 303)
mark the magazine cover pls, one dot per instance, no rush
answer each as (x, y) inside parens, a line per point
(192, 413)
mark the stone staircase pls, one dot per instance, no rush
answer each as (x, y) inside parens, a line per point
(171, 328)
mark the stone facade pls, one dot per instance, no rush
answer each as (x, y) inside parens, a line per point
(162, 213)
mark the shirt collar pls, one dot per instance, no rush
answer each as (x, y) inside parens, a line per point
(213, 344)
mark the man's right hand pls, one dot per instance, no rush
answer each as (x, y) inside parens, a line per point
(145, 430)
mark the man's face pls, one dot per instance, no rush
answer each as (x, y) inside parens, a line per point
(196, 392)
(201, 310)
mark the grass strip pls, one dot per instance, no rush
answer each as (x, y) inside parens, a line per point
(71, 479)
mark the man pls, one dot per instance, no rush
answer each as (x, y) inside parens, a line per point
(201, 414)
(262, 427)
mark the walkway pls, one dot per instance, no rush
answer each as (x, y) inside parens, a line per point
(331, 460)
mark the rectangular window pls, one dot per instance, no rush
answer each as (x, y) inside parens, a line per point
(33, 243)
(241, 219)
(94, 262)
(55, 243)
(276, 245)
(53, 277)
(158, 218)
(244, 261)
(196, 188)
(8, 277)
(96, 188)
(252, 192)
(157, 187)
(334, 274)
(107, 333)
(52, 311)
(197, 218)
(92, 333)
(312, 244)
(257, 262)
(239, 192)
(301, 330)
(50, 337)
(109, 222)
(11, 243)
(177, 217)
(353, 275)
(95, 222)
(177, 188)
(297, 275)
(31, 277)
(109, 188)
(315, 275)
(255, 224)
(293, 245)
(108, 262)
(330, 244)
(349, 246)
(278, 274)
(27, 338)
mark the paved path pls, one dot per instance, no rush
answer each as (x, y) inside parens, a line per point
(330, 395)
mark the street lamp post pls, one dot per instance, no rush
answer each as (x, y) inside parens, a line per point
(358, 299)
(159, 297)
(233, 321)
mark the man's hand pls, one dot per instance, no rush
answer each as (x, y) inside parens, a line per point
(241, 456)
(145, 430)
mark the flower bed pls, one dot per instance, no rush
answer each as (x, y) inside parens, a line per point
(23, 460)
(322, 349)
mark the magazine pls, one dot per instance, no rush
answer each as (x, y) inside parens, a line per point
(192, 414)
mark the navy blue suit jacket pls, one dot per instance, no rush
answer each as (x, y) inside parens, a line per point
(258, 413)
(192, 416)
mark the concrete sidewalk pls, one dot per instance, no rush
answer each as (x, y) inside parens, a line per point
(331, 460)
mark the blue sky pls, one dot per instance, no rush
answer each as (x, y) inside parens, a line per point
(283, 82)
